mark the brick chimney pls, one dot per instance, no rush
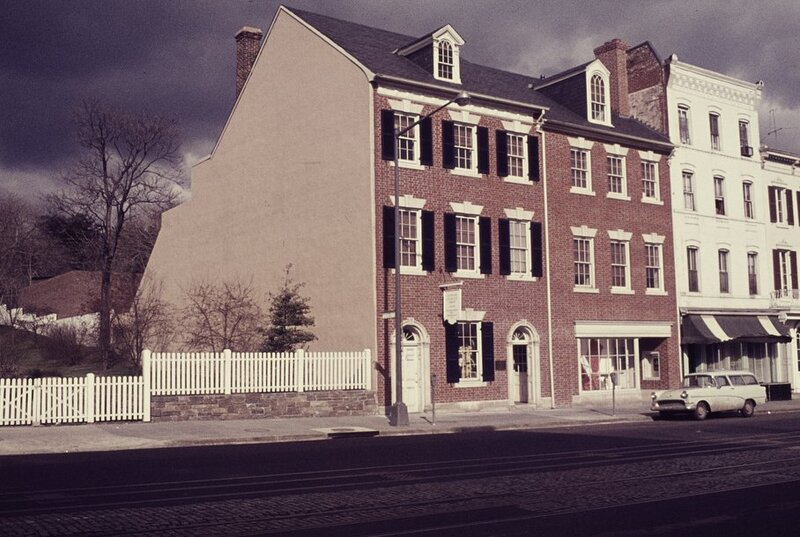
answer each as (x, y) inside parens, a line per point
(248, 42)
(614, 55)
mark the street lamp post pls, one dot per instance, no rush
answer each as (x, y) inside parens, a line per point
(398, 415)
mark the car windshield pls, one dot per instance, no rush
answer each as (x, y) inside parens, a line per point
(698, 381)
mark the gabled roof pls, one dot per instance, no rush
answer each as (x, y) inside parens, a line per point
(376, 50)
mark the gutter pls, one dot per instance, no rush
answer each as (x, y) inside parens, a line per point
(572, 128)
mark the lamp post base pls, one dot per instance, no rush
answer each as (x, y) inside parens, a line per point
(398, 415)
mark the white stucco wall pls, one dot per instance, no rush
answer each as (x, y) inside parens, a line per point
(290, 181)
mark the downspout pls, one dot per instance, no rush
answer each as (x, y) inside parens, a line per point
(539, 123)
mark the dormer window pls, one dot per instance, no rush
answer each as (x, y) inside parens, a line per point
(445, 60)
(598, 99)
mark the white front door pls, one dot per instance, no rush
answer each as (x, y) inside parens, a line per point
(412, 371)
(519, 374)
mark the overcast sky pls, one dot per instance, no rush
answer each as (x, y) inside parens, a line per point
(177, 57)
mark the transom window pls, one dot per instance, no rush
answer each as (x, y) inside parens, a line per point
(724, 280)
(619, 264)
(713, 124)
(752, 272)
(683, 124)
(579, 166)
(516, 155)
(650, 180)
(445, 63)
(598, 98)
(469, 350)
(582, 251)
(464, 144)
(653, 266)
(688, 191)
(747, 196)
(691, 265)
(616, 175)
(719, 195)
(408, 140)
(410, 244)
(466, 244)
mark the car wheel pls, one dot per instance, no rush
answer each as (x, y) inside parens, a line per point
(748, 409)
(701, 411)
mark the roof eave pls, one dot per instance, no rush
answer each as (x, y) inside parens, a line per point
(572, 128)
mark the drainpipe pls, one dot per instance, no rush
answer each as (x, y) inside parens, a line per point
(539, 123)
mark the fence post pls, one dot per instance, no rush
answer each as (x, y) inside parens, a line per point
(299, 370)
(226, 371)
(146, 384)
(88, 400)
(367, 369)
(37, 401)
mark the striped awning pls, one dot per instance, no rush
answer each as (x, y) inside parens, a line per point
(705, 329)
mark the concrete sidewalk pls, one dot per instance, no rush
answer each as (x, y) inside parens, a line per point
(109, 436)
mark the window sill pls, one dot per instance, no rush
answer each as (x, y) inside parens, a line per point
(465, 173)
(409, 165)
(617, 196)
(590, 290)
(471, 384)
(469, 275)
(581, 191)
(652, 201)
(655, 292)
(521, 278)
(622, 291)
(411, 271)
(517, 180)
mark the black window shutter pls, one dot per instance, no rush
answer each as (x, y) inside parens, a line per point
(448, 145)
(485, 232)
(501, 145)
(451, 352)
(789, 208)
(776, 269)
(387, 134)
(773, 214)
(450, 260)
(533, 158)
(388, 237)
(426, 142)
(504, 236)
(537, 256)
(487, 350)
(428, 241)
(793, 263)
(483, 150)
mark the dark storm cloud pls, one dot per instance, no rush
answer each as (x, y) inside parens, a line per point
(177, 57)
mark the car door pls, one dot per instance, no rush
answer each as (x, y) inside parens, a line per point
(726, 395)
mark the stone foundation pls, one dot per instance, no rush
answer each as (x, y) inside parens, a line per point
(263, 405)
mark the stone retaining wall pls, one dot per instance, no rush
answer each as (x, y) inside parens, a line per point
(263, 405)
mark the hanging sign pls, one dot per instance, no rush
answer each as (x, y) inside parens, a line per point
(451, 305)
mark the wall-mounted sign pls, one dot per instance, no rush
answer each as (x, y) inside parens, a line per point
(451, 304)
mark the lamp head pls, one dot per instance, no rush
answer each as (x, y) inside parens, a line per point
(463, 98)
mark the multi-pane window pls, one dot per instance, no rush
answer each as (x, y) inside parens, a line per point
(724, 279)
(464, 145)
(719, 195)
(744, 138)
(752, 272)
(598, 97)
(691, 265)
(516, 155)
(579, 165)
(713, 124)
(650, 180)
(582, 250)
(785, 277)
(599, 357)
(445, 63)
(747, 197)
(407, 142)
(688, 191)
(410, 247)
(653, 266)
(469, 350)
(466, 242)
(619, 264)
(781, 206)
(518, 242)
(683, 124)
(616, 175)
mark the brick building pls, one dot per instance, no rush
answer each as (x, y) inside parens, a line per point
(535, 220)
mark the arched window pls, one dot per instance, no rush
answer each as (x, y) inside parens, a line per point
(445, 60)
(598, 97)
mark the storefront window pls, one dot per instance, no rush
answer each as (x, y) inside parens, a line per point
(599, 357)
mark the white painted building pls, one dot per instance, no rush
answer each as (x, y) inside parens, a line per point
(721, 221)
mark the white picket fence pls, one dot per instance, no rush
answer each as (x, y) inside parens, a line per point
(91, 398)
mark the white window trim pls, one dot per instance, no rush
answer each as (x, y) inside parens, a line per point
(623, 237)
(411, 203)
(656, 240)
(585, 232)
(469, 315)
(524, 146)
(652, 158)
(623, 169)
(688, 109)
(698, 265)
(525, 275)
(587, 191)
(472, 171)
(748, 181)
(718, 113)
(597, 68)
(449, 35)
(476, 272)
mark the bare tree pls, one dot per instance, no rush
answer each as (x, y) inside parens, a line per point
(130, 163)
(147, 324)
(222, 316)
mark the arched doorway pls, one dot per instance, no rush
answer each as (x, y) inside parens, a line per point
(416, 367)
(523, 363)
